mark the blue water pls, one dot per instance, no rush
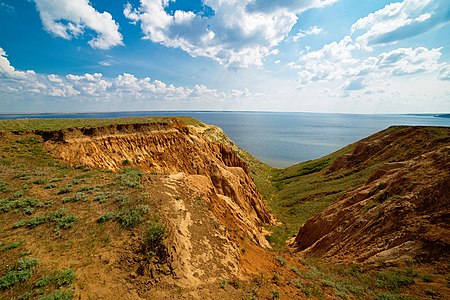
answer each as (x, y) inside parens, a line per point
(282, 139)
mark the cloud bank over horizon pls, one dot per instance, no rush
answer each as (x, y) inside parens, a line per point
(228, 54)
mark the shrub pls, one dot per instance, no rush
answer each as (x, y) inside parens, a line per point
(62, 277)
(280, 260)
(58, 217)
(223, 284)
(106, 217)
(130, 177)
(4, 187)
(295, 270)
(12, 245)
(30, 223)
(86, 188)
(393, 280)
(58, 295)
(276, 294)
(39, 181)
(50, 186)
(100, 197)
(43, 281)
(65, 277)
(153, 244)
(155, 235)
(77, 197)
(64, 190)
(20, 273)
(65, 222)
(132, 216)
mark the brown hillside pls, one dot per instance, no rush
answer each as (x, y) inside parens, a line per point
(403, 210)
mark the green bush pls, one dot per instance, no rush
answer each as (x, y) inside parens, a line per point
(64, 190)
(12, 245)
(106, 217)
(77, 197)
(50, 186)
(30, 223)
(22, 271)
(44, 280)
(62, 277)
(65, 277)
(132, 216)
(58, 217)
(100, 197)
(130, 177)
(39, 181)
(393, 280)
(58, 295)
(4, 187)
(155, 235)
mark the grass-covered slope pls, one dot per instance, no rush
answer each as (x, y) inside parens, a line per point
(303, 190)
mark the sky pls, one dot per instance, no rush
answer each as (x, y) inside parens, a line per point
(340, 56)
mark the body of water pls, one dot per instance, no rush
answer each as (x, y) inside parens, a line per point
(282, 139)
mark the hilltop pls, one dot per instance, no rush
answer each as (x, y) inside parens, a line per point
(171, 208)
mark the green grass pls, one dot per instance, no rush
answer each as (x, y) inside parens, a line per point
(61, 124)
(394, 280)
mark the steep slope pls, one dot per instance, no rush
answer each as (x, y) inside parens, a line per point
(403, 209)
(147, 209)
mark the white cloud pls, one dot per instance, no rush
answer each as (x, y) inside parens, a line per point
(292, 5)
(8, 71)
(239, 33)
(125, 87)
(302, 33)
(444, 73)
(329, 63)
(347, 61)
(406, 61)
(354, 84)
(401, 20)
(69, 18)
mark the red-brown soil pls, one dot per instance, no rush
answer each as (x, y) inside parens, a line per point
(401, 213)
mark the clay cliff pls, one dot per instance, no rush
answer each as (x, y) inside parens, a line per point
(403, 210)
(196, 172)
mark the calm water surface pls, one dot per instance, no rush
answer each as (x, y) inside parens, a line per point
(283, 139)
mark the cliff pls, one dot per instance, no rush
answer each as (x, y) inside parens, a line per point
(401, 212)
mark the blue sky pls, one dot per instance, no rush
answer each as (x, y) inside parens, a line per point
(346, 56)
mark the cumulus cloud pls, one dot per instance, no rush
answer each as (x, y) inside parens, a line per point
(8, 71)
(354, 84)
(95, 86)
(302, 33)
(346, 61)
(328, 63)
(70, 18)
(240, 33)
(401, 20)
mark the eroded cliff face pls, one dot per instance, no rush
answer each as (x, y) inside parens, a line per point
(207, 187)
(402, 212)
